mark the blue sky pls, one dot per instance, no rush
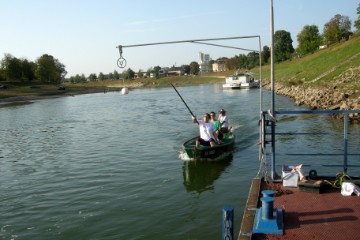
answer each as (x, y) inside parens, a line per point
(83, 34)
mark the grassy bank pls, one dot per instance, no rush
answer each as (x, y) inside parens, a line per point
(338, 64)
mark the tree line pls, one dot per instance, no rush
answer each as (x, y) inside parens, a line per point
(48, 69)
(45, 69)
(309, 40)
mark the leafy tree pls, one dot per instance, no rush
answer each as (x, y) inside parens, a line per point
(265, 54)
(78, 78)
(156, 71)
(308, 39)
(110, 76)
(357, 22)
(49, 69)
(11, 67)
(252, 59)
(241, 61)
(2, 77)
(92, 77)
(283, 47)
(116, 75)
(128, 74)
(337, 28)
(194, 68)
(101, 76)
(27, 70)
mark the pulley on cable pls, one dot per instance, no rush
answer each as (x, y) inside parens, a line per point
(121, 62)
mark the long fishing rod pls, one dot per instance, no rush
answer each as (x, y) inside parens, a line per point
(183, 100)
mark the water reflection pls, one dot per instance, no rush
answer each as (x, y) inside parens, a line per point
(199, 176)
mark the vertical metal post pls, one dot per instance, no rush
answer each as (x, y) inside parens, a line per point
(260, 69)
(228, 223)
(272, 90)
(267, 208)
(272, 57)
(346, 124)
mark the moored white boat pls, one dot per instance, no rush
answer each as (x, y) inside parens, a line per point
(231, 86)
(239, 81)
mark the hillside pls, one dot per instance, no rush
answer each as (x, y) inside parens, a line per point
(337, 65)
(327, 79)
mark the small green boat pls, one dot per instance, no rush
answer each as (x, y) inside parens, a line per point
(210, 153)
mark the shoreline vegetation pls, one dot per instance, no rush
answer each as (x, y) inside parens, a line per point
(327, 79)
(22, 92)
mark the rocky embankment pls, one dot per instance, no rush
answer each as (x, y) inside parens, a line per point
(330, 98)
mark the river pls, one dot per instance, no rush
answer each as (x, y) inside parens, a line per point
(110, 166)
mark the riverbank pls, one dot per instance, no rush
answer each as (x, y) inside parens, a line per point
(329, 97)
(21, 92)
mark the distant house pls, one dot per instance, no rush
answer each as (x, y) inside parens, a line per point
(219, 66)
(175, 71)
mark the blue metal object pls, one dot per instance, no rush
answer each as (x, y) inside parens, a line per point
(268, 220)
(228, 223)
(268, 193)
(267, 208)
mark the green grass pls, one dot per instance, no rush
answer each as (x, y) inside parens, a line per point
(322, 68)
(180, 80)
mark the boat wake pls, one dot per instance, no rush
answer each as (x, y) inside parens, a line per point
(226, 155)
(183, 156)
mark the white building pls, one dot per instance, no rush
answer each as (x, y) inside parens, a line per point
(204, 60)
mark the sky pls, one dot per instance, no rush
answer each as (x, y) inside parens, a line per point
(84, 34)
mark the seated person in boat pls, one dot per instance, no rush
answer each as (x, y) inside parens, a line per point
(224, 121)
(217, 133)
(206, 129)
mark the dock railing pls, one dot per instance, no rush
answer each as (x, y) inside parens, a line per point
(267, 133)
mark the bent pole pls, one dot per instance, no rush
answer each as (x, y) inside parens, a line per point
(183, 100)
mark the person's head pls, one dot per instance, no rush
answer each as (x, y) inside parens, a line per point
(222, 111)
(206, 117)
(212, 115)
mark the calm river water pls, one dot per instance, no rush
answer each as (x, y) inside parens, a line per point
(109, 166)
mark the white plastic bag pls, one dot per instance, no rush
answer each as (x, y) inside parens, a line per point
(348, 188)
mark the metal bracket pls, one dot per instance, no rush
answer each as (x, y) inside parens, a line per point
(121, 62)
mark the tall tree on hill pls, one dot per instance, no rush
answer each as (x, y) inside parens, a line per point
(241, 61)
(283, 47)
(252, 59)
(357, 22)
(308, 39)
(337, 28)
(265, 54)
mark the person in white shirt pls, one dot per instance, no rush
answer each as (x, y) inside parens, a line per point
(224, 121)
(206, 129)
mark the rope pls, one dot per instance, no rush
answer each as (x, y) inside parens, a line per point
(340, 178)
